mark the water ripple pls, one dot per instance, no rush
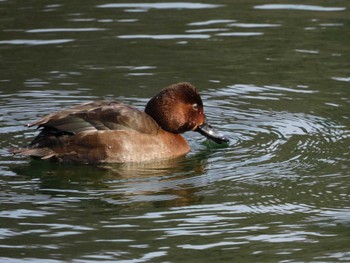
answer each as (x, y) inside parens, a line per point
(345, 79)
(240, 34)
(278, 191)
(211, 22)
(166, 36)
(300, 7)
(36, 41)
(54, 30)
(170, 5)
(252, 25)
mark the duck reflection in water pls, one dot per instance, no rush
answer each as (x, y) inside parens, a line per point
(165, 183)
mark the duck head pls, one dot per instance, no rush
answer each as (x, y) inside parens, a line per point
(179, 108)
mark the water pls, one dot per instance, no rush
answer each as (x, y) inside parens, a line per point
(274, 77)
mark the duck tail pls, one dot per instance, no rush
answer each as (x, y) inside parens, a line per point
(41, 153)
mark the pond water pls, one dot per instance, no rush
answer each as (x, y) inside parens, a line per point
(274, 77)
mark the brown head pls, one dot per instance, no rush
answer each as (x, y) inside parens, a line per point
(179, 108)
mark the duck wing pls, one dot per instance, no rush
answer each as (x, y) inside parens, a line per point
(98, 115)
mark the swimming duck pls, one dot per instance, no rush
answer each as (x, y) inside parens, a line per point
(112, 132)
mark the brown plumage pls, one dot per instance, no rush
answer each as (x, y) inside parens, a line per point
(112, 132)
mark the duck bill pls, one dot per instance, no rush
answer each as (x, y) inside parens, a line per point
(208, 131)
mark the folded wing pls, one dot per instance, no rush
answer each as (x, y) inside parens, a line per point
(99, 115)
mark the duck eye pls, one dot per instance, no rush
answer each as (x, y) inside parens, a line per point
(195, 106)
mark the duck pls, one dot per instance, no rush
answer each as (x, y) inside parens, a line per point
(114, 132)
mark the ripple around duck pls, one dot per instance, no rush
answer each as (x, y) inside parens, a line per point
(266, 140)
(249, 122)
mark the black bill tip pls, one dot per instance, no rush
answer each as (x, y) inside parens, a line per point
(208, 131)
